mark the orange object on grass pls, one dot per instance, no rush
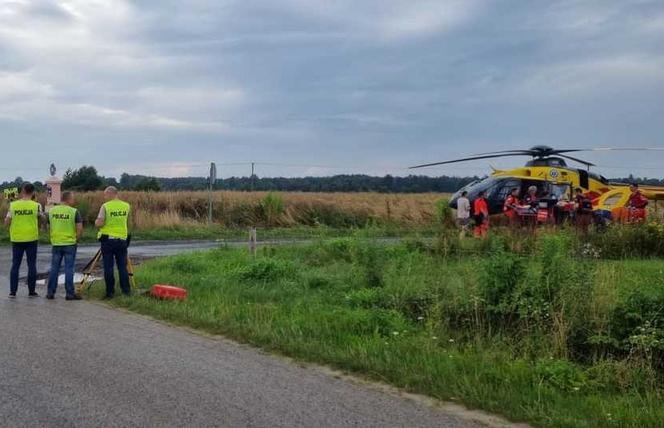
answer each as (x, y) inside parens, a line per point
(168, 292)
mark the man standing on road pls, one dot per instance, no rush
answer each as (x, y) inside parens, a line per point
(66, 227)
(112, 222)
(23, 220)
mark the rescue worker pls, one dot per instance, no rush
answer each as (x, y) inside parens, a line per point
(637, 204)
(531, 200)
(531, 197)
(481, 214)
(583, 210)
(66, 227)
(463, 212)
(510, 207)
(23, 219)
(112, 221)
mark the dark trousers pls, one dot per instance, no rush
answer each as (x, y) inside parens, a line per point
(115, 250)
(68, 253)
(30, 250)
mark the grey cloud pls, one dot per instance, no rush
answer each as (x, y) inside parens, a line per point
(389, 83)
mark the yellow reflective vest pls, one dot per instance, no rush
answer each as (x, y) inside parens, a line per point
(62, 223)
(116, 224)
(25, 221)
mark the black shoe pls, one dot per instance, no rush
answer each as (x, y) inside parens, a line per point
(33, 294)
(74, 297)
(12, 295)
(50, 296)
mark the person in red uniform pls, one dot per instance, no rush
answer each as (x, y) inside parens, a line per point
(583, 211)
(510, 207)
(481, 214)
(637, 204)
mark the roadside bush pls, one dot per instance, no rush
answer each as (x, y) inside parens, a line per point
(629, 241)
(271, 208)
(447, 243)
(444, 214)
(266, 269)
(563, 290)
(369, 260)
(500, 274)
(561, 374)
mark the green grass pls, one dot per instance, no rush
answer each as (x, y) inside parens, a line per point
(216, 232)
(410, 316)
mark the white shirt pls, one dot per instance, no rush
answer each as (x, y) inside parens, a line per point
(463, 208)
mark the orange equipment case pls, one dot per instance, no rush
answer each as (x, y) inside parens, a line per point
(168, 292)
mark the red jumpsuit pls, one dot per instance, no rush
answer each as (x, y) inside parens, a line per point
(481, 212)
(509, 210)
(637, 207)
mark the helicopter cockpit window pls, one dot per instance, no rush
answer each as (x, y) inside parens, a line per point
(559, 191)
(506, 188)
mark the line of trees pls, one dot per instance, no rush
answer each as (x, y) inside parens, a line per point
(87, 178)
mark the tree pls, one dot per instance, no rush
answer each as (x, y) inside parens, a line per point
(148, 185)
(82, 179)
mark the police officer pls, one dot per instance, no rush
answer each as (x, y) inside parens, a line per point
(66, 227)
(112, 222)
(23, 220)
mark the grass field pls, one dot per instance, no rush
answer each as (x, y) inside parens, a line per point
(561, 339)
(183, 215)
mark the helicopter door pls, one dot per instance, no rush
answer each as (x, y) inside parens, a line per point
(499, 194)
(584, 182)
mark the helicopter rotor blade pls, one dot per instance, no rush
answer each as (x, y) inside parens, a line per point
(626, 149)
(510, 152)
(581, 161)
(466, 159)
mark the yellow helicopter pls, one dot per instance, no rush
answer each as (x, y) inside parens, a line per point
(549, 172)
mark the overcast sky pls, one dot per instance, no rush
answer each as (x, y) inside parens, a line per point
(325, 86)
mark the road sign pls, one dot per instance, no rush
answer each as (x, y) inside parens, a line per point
(11, 193)
(213, 174)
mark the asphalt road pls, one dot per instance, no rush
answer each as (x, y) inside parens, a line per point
(82, 364)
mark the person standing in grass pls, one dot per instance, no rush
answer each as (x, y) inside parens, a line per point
(66, 227)
(481, 214)
(637, 204)
(463, 212)
(510, 207)
(23, 219)
(113, 224)
(584, 211)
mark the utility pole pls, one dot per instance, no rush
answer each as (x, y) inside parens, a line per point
(253, 175)
(211, 182)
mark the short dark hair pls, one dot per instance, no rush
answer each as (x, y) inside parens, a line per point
(578, 189)
(481, 193)
(28, 188)
(464, 193)
(67, 195)
(635, 185)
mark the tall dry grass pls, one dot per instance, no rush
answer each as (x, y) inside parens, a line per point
(242, 209)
